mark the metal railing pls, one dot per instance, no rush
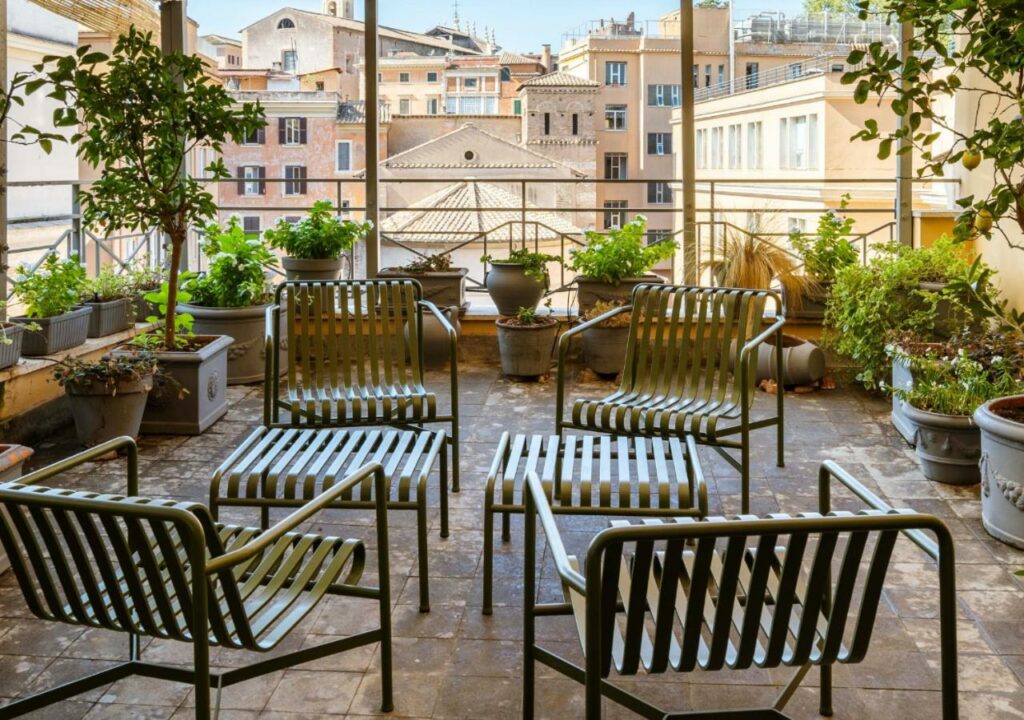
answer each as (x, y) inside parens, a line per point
(800, 70)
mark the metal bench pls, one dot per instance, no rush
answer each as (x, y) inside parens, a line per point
(591, 475)
(729, 594)
(689, 369)
(166, 570)
(288, 467)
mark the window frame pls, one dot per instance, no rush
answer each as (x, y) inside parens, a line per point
(615, 73)
(292, 131)
(337, 163)
(615, 209)
(404, 78)
(619, 161)
(253, 185)
(615, 115)
(295, 185)
(435, 77)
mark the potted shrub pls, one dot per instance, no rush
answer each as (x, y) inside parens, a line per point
(901, 350)
(1001, 422)
(824, 253)
(142, 281)
(137, 116)
(232, 297)
(604, 346)
(51, 294)
(11, 334)
(525, 342)
(110, 297)
(518, 281)
(946, 393)
(610, 266)
(108, 396)
(747, 260)
(315, 246)
(443, 285)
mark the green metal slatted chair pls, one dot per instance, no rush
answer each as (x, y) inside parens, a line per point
(351, 361)
(166, 570)
(688, 370)
(729, 594)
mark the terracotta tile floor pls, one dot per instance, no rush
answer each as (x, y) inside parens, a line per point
(455, 663)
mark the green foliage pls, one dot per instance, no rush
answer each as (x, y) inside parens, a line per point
(527, 316)
(236, 276)
(746, 260)
(958, 45)
(975, 286)
(439, 262)
(321, 235)
(13, 95)
(871, 304)
(145, 279)
(183, 322)
(622, 253)
(110, 370)
(54, 288)
(137, 116)
(534, 264)
(829, 250)
(958, 385)
(107, 286)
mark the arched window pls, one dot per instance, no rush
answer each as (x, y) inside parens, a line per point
(286, 24)
(506, 74)
(332, 8)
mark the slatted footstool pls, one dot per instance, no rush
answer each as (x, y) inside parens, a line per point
(287, 467)
(592, 475)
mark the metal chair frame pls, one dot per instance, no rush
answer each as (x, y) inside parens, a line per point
(683, 374)
(163, 569)
(726, 602)
(369, 311)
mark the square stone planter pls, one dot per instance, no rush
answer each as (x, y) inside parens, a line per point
(10, 352)
(109, 317)
(444, 289)
(55, 334)
(592, 292)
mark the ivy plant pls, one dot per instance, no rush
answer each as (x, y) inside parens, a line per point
(958, 46)
(829, 250)
(321, 235)
(137, 116)
(622, 253)
(52, 289)
(108, 371)
(236, 277)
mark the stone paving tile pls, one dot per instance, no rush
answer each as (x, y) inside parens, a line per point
(457, 664)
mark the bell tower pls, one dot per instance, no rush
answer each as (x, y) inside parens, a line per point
(339, 8)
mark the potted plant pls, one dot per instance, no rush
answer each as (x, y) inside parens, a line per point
(142, 281)
(525, 342)
(942, 402)
(232, 297)
(107, 396)
(315, 246)
(604, 346)
(443, 285)
(824, 253)
(51, 295)
(518, 281)
(11, 335)
(1001, 422)
(137, 116)
(610, 266)
(747, 260)
(110, 297)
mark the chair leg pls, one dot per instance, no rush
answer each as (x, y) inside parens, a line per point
(264, 517)
(745, 471)
(387, 702)
(201, 655)
(488, 557)
(825, 703)
(506, 532)
(444, 491)
(454, 437)
(421, 537)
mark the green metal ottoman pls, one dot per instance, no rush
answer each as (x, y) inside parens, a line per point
(592, 475)
(287, 467)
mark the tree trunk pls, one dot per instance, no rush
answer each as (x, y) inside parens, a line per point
(178, 235)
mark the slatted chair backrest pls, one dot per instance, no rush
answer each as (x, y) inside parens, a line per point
(685, 342)
(349, 338)
(118, 563)
(780, 591)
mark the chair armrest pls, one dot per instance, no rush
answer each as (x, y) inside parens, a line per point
(751, 345)
(563, 349)
(304, 513)
(89, 455)
(537, 501)
(453, 346)
(448, 328)
(830, 470)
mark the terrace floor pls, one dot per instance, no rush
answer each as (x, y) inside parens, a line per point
(456, 663)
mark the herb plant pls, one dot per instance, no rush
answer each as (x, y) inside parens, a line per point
(535, 264)
(107, 286)
(108, 371)
(439, 262)
(145, 279)
(957, 386)
(321, 235)
(54, 288)
(829, 250)
(236, 276)
(622, 253)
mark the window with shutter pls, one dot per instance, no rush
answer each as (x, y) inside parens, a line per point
(261, 173)
(303, 131)
(295, 176)
(292, 131)
(344, 156)
(251, 225)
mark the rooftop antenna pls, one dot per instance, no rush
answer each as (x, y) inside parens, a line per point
(455, 17)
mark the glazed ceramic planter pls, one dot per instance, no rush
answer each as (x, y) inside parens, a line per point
(317, 269)
(11, 352)
(592, 292)
(247, 328)
(102, 413)
(511, 288)
(55, 334)
(604, 349)
(1002, 458)
(526, 349)
(803, 362)
(948, 446)
(108, 318)
(203, 374)
(444, 289)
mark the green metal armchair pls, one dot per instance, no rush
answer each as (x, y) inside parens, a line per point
(166, 570)
(729, 595)
(355, 358)
(689, 369)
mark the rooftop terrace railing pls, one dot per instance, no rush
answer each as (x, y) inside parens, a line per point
(792, 72)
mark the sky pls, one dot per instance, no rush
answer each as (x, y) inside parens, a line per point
(517, 23)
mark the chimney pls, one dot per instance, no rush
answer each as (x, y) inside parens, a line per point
(545, 57)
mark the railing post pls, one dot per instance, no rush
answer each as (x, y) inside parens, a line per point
(3, 164)
(904, 157)
(522, 208)
(77, 243)
(371, 113)
(689, 169)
